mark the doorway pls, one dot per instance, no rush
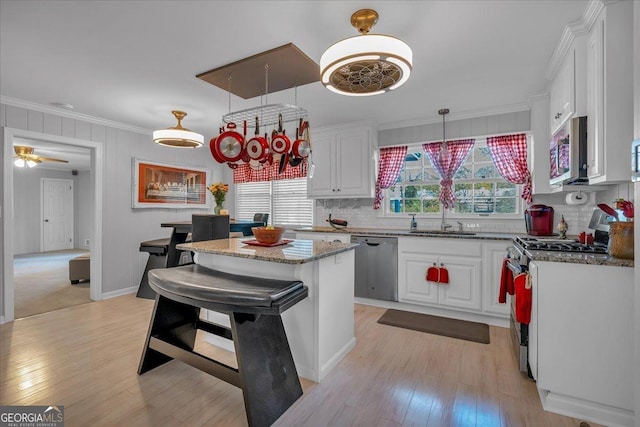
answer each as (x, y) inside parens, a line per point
(96, 149)
(57, 214)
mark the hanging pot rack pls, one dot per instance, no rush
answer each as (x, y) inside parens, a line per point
(268, 114)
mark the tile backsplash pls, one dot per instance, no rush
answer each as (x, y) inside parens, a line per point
(360, 213)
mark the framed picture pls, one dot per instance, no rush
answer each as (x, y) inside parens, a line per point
(161, 185)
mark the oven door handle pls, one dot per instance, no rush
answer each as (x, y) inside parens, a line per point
(515, 268)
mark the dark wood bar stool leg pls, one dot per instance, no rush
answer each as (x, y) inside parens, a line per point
(175, 323)
(155, 261)
(268, 375)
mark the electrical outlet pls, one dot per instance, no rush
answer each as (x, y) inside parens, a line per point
(87, 242)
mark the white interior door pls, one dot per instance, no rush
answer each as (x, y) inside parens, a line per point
(57, 214)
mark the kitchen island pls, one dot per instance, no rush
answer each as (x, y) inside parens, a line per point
(320, 328)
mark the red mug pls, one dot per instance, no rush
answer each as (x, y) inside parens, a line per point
(589, 239)
(582, 237)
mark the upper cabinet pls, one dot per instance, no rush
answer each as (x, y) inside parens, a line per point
(562, 94)
(610, 94)
(344, 163)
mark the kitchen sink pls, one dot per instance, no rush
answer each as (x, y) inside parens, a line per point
(440, 232)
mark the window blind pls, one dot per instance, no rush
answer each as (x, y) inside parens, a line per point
(285, 201)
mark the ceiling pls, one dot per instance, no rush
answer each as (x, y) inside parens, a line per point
(133, 62)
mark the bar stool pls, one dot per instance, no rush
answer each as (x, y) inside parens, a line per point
(266, 372)
(157, 250)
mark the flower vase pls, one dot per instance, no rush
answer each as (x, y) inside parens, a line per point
(218, 207)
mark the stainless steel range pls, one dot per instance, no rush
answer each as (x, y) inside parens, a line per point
(519, 257)
(557, 245)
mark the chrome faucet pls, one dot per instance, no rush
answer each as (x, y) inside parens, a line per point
(414, 224)
(444, 226)
(459, 225)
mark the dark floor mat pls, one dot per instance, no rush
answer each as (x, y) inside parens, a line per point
(454, 328)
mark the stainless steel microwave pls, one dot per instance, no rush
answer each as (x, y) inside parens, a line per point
(635, 160)
(568, 153)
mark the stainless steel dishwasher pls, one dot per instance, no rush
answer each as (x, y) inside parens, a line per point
(376, 267)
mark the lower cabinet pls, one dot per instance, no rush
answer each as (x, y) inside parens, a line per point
(581, 340)
(462, 291)
(493, 254)
(325, 237)
(473, 266)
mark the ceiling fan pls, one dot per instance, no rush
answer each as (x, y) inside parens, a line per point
(25, 157)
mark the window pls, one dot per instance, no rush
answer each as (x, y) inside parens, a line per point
(285, 200)
(477, 185)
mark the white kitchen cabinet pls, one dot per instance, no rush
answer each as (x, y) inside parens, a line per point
(492, 256)
(581, 340)
(460, 257)
(462, 291)
(344, 163)
(562, 98)
(325, 237)
(609, 100)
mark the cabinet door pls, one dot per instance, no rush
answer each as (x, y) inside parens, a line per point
(532, 349)
(463, 290)
(595, 101)
(492, 256)
(310, 236)
(323, 182)
(562, 97)
(344, 238)
(353, 167)
(412, 279)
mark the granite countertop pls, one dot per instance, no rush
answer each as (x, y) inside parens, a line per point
(295, 252)
(579, 258)
(406, 233)
(567, 257)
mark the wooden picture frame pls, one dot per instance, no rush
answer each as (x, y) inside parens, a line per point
(163, 185)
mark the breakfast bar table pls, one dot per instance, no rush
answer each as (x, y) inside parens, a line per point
(181, 230)
(320, 328)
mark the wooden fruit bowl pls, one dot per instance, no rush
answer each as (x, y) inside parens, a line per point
(265, 235)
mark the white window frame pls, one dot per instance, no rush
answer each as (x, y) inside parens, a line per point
(519, 208)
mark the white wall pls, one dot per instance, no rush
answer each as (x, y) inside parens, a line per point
(28, 203)
(83, 218)
(494, 124)
(123, 227)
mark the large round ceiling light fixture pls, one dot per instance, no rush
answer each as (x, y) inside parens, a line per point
(368, 64)
(178, 136)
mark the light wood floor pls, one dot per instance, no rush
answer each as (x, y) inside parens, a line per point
(85, 358)
(41, 283)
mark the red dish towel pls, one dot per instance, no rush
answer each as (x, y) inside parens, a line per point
(522, 284)
(506, 282)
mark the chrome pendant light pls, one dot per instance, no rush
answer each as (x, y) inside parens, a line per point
(368, 64)
(178, 136)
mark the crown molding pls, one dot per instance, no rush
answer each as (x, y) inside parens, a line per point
(71, 114)
(470, 114)
(573, 30)
(539, 96)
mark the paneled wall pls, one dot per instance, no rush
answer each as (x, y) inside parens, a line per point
(123, 227)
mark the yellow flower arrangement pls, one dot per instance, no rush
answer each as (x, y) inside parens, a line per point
(219, 191)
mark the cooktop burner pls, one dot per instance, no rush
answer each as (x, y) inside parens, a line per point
(558, 245)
